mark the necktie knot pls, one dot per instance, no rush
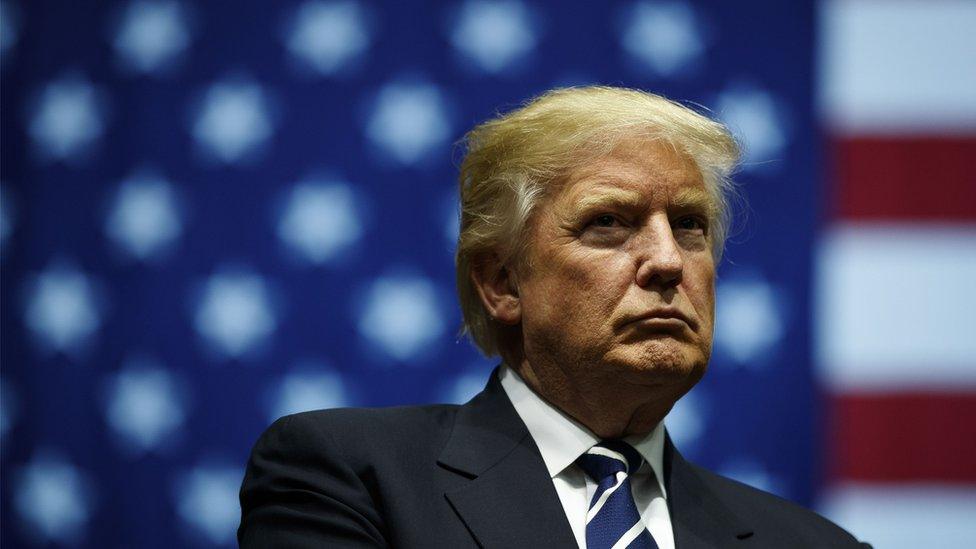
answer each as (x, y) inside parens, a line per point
(608, 458)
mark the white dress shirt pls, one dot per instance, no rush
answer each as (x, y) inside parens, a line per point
(561, 440)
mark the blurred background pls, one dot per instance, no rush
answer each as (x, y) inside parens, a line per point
(216, 213)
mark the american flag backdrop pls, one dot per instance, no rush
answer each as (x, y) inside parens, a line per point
(216, 213)
(895, 290)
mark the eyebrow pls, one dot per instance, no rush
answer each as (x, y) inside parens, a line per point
(609, 197)
(695, 199)
(685, 199)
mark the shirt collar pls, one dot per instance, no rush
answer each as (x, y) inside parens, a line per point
(561, 439)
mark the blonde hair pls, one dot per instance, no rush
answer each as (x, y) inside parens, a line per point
(511, 161)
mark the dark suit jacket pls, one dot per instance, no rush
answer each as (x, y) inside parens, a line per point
(466, 476)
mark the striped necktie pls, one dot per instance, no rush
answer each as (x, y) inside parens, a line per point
(613, 521)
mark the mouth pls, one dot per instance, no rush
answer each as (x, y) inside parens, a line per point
(661, 320)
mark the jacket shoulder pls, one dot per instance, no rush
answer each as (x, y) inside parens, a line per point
(774, 516)
(352, 429)
(312, 478)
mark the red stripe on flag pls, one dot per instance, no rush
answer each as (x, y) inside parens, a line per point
(904, 177)
(903, 437)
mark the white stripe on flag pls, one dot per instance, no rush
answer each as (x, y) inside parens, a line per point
(902, 66)
(905, 517)
(895, 307)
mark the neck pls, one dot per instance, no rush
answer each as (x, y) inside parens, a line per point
(608, 410)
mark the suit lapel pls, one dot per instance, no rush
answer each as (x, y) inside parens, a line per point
(510, 500)
(699, 519)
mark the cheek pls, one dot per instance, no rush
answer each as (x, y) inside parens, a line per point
(598, 279)
(579, 289)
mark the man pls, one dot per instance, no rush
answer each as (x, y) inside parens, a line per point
(591, 223)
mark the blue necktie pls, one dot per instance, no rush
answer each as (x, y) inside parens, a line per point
(613, 520)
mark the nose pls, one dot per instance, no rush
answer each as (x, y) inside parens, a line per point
(658, 256)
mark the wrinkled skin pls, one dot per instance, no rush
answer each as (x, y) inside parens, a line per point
(616, 299)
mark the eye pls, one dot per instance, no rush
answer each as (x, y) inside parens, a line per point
(691, 223)
(605, 220)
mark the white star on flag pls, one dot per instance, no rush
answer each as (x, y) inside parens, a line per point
(328, 35)
(235, 313)
(664, 36)
(207, 501)
(493, 33)
(752, 472)
(467, 384)
(311, 387)
(67, 120)
(144, 219)
(754, 116)
(151, 34)
(234, 121)
(61, 310)
(52, 496)
(408, 121)
(143, 406)
(320, 219)
(686, 421)
(401, 315)
(748, 321)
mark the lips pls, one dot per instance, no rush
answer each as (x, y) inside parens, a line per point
(663, 318)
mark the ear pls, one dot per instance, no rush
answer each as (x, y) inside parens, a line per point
(498, 289)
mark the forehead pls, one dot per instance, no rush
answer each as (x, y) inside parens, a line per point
(636, 169)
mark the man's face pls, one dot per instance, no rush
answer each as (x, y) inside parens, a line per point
(619, 289)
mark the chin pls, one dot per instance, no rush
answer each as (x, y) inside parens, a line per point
(662, 361)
